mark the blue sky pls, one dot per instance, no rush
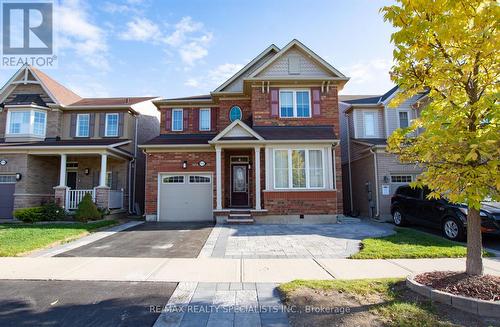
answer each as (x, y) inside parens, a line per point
(176, 48)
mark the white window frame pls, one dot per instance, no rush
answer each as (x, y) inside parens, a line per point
(294, 102)
(182, 120)
(290, 170)
(375, 124)
(174, 182)
(106, 124)
(204, 176)
(399, 119)
(401, 175)
(209, 119)
(31, 128)
(77, 131)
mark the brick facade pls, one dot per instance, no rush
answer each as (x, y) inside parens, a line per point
(301, 202)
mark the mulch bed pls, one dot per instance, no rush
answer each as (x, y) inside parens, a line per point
(486, 287)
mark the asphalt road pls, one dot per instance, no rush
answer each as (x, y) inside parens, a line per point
(149, 240)
(81, 304)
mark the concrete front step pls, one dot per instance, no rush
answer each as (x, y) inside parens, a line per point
(240, 220)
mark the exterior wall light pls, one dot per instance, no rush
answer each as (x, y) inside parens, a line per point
(18, 176)
(184, 164)
(86, 171)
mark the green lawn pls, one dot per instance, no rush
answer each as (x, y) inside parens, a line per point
(16, 239)
(393, 309)
(409, 243)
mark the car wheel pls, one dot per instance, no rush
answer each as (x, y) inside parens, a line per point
(397, 218)
(453, 230)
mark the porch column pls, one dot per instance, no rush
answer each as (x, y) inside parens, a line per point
(102, 176)
(257, 178)
(218, 176)
(62, 171)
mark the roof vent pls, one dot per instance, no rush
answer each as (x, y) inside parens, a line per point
(293, 65)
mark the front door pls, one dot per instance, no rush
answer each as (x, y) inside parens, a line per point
(239, 186)
(71, 179)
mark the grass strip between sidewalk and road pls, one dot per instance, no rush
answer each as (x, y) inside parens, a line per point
(410, 244)
(379, 301)
(19, 239)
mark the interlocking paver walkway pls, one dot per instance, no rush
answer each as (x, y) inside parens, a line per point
(290, 241)
(224, 304)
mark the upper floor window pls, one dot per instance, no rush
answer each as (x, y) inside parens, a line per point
(177, 119)
(404, 120)
(82, 125)
(295, 103)
(369, 123)
(235, 113)
(27, 122)
(111, 128)
(205, 119)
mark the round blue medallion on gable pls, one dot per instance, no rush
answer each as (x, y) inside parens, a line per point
(235, 113)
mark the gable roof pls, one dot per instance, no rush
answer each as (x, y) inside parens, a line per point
(296, 43)
(272, 49)
(120, 101)
(234, 125)
(58, 92)
(371, 99)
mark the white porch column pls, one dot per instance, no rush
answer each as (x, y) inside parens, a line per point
(102, 177)
(218, 176)
(62, 171)
(257, 178)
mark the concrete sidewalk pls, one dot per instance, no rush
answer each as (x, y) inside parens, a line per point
(221, 270)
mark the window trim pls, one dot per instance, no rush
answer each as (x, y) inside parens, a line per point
(199, 175)
(306, 167)
(209, 128)
(31, 127)
(294, 102)
(375, 124)
(77, 131)
(240, 113)
(399, 118)
(182, 119)
(106, 124)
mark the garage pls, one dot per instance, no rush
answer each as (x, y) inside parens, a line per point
(7, 188)
(185, 197)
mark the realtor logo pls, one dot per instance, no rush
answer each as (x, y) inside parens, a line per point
(27, 33)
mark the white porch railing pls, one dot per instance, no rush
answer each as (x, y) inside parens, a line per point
(115, 199)
(74, 197)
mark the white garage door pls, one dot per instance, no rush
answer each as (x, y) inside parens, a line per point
(186, 197)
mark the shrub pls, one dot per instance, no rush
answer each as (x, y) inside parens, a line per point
(53, 212)
(87, 210)
(29, 215)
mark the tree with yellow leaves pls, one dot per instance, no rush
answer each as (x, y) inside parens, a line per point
(450, 48)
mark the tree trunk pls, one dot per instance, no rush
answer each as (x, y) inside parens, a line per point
(474, 264)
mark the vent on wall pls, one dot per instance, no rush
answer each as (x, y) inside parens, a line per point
(294, 65)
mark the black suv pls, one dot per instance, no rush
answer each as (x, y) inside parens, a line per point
(411, 206)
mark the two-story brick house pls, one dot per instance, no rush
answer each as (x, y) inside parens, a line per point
(371, 174)
(55, 144)
(263, 145)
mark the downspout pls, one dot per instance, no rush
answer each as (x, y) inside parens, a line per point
(377, 213)
(132, 188)
(349, 163)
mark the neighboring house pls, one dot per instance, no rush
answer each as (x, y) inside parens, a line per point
(371, 175)
(55, 145)
(263, 145)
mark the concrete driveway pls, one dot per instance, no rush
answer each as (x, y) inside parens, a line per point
(149, 240)
(81, 304)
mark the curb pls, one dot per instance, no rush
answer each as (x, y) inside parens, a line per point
(467, 304)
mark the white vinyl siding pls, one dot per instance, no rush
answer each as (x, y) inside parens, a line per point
(205, 119)
(177, 120)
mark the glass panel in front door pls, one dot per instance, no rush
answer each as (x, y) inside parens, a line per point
(239, 179)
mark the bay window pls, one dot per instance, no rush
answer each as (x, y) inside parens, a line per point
(299, 169)
(26, 123)
(295, 103)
